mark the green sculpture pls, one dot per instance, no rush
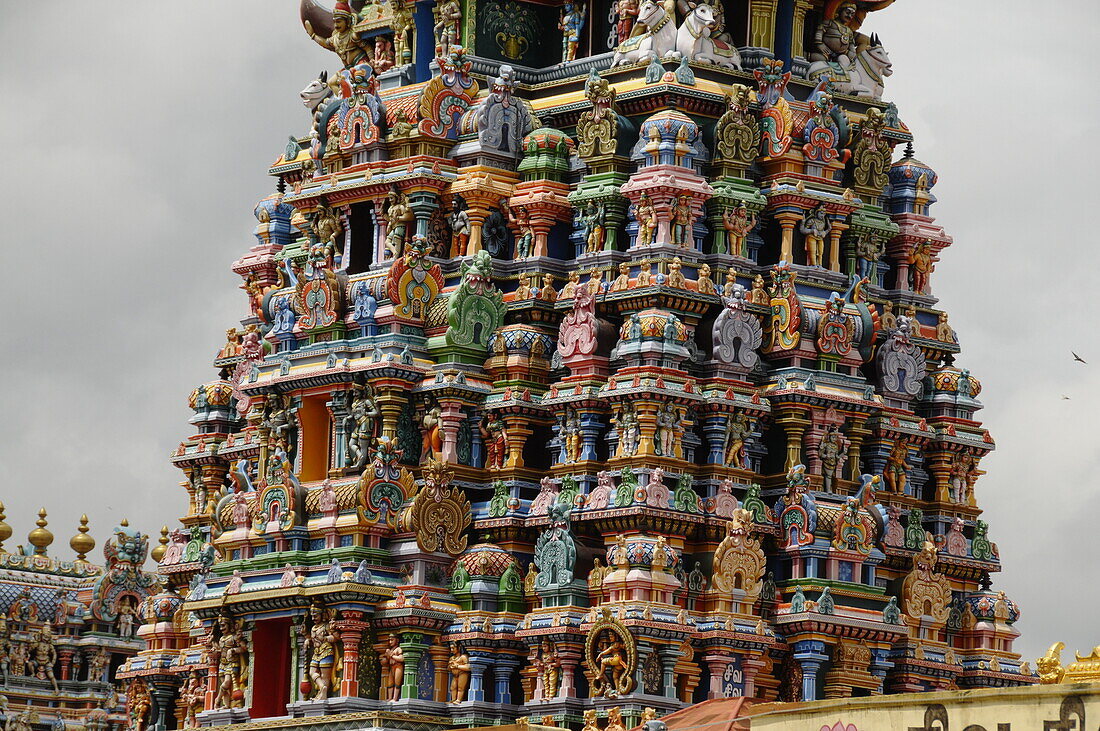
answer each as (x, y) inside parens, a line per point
(476, 310)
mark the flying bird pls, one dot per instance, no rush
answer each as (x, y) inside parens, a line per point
(1078, 358)
(1065, 397)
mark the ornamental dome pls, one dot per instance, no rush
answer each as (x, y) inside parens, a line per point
(911, 184)
(487, 559)
(992, 606)
(521, 339)
(949, 379)
(669, 138)
(546, 153)
(213, 395)
(654, 324)
(161, 607)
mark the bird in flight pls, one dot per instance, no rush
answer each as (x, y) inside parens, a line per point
(1078, 358)
(1065, 397)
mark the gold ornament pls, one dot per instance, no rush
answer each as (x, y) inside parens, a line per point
(610, 657)
(40, 538)
(82, 543)
(439, 514)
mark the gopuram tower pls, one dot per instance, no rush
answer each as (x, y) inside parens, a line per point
(590, 368)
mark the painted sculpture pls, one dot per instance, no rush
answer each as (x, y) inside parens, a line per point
(590, 356)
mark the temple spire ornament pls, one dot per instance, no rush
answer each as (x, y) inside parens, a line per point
(82, 543)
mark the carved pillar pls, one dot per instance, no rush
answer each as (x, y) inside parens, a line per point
(716, 665)
(880, 665)
(478, 666)
(477, 215)
(450, 419)
(751, 665)
(412, 647)
(714, 428)
(810, 655)
(503, 668)
(423, 204)
(838, 229)
(938, 464)
(440, 658)
(391, 402)
(381, 230)
(794, 425)
(351, 628)
(787, 221)
(66, 657)
(570, 659)
(856, 433)
(519, 431)
(762, 23)
(647, 428)
(798, 28)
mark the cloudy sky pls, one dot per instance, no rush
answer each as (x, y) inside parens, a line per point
(138, 138)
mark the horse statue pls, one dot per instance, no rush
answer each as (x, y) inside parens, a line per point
(657, 42)
(863, 78)
(693, 40)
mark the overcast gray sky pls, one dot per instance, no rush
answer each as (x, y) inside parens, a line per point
(138, 135)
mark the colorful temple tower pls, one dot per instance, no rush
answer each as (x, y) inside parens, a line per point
(67, 625)
(591, 369)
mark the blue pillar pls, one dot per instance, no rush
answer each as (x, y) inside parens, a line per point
(714, 427)
(810, 655)
(503, 670)
(591, 426)
(880, 664)
(478, 666)
(424, 22)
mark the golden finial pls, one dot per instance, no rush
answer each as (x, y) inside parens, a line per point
(82, 543)
(158, 552)
(40, 538)
(5, 529)
(125, 523)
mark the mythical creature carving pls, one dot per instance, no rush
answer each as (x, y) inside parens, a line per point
(776, 119)
(556, 551)
(786, 310)
(476, 309)
(901, 364)
(440, 513)
(503, 120)
(739, 561)
(871, 156)
(737, 333)
(924, 593)
(598, 127)
(577, 335)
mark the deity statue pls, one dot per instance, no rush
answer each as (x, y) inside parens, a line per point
(921, 265)
(646, 216)
(896, 466)
(611, 663)
(278, 420)
(592, 219)
(944, 332)
(44, 655)
(830, 451)
(595, 580)
(124, 624)
(398, 214)
(459, 667)
(888, 319)
(570, 24)
(344, 41)
(401, 21)
(521, 221)
(626, 12)
(494, 435)
(431, 426)
(193, 700)
(549, 666)
(393, 669)
(682, 220)
(359, 426)
(448, 27)
(869, 248)
(459, 222)
(834, 40)
(815, 226)
(320, 644)
(738, 429)
(668, 429)
(231, 650)
(738, 222)
(573, 437)
(645, 279)
(626, 423)
(97, 665)
(138, 704)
